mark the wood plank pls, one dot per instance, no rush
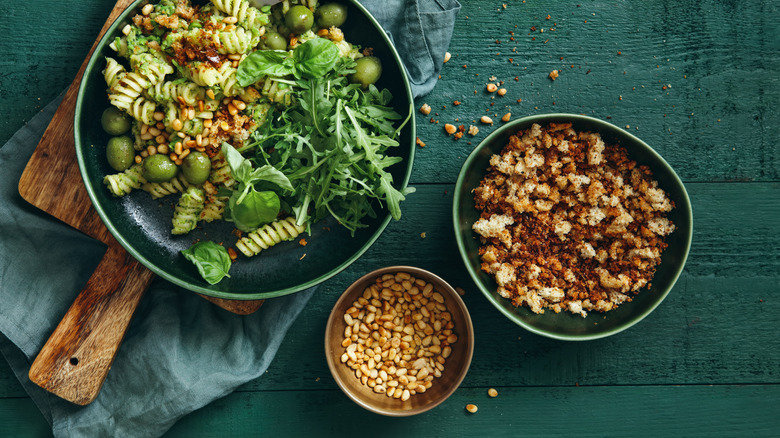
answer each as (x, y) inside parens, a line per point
(19, 417)
(705, 332)
(711, 411)
(41, 53)
(617, 63)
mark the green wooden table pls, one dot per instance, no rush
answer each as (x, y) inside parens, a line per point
(697, 80)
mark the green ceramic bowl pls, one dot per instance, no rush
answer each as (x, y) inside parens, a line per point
(564, 325)
(142, 225)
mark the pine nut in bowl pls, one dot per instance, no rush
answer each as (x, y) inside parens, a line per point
(399, 341)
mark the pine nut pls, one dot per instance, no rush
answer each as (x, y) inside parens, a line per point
(230, 20)
(486, 120)
(491, 88)
(492, 392)
(471, 408)
(394, 336)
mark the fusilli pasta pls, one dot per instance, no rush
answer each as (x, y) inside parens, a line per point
(187, 211)
(269, 235)
(120, 184)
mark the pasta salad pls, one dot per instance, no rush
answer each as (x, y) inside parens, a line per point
(268, 118)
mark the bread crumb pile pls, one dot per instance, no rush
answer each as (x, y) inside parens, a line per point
(568, 222)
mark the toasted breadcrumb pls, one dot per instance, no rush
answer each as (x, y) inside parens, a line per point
(568, 222)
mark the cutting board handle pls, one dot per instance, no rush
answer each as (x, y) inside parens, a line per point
(75, 360)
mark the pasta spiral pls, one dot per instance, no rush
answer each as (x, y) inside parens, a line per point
(120, 184)
(228, 80)
(269, 235)
(113, 72)
(220, 171)
(215, 205)
(142, 110)
(188, 93)
(127, 89)
(277, 92)
(247, 15)
(152, 67)
(187, 211)
(175, 185)
(235, 41)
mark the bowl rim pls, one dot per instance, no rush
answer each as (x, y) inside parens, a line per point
(469, 332)
(95, 56)
(564, 117)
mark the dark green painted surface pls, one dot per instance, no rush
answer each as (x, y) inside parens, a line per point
(705, 363)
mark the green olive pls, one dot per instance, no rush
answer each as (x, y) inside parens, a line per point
(274, 41)
(367, 71)
(120, 153)
(299, 19)
(114, 121)
(159, 168)
(196, 167)
(331, 14)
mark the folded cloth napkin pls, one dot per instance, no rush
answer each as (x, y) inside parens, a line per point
(180, 352)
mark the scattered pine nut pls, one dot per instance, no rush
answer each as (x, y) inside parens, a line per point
(450, 129)
(506, 117)
(501, 91)
(491, 88)
(447, 56)
(492, 392)
(486, 120)
(471, 408)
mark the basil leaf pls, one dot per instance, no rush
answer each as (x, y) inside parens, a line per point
(211, 259)
(315, 57)
(263, 63)
(271, 174)
(253, 209)
(240, 167)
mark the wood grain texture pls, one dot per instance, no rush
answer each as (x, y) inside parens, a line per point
(705, 363)
(75, 360)
(712, 411)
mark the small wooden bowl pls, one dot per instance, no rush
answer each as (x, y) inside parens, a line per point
(455, 367)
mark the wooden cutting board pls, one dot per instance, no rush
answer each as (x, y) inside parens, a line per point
(75, 360)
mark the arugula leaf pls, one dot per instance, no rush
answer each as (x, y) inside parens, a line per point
(333, 146)
(263, 63)
(212, 260)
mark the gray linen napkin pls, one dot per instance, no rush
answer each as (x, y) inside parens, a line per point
(180, 352)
